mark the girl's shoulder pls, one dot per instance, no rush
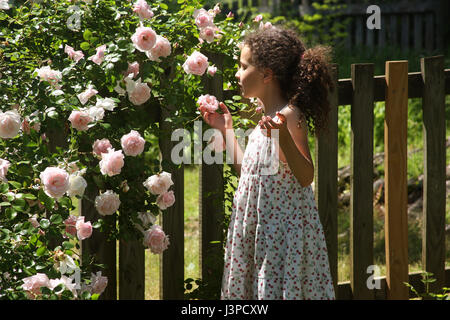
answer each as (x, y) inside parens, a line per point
(294, 115)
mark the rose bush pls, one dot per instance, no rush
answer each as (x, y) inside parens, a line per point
(82, 86)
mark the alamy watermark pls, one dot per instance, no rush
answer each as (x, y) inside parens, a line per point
(268, 152)
(374, 20)
(373, 281)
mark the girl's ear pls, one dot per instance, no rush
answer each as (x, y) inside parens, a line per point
(268, 75)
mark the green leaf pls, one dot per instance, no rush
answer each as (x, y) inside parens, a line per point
(56, 219)
(45, 223)
(67, 245)
(29, 196)
(15, 184)
(4, 187)
(87, 34)
(40, 251)
(85, 46)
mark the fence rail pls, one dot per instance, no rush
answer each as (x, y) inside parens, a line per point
(361, 91)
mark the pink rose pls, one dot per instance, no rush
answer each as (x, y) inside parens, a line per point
(138, 93)
(165, 200)
(74, 55)
(133, 68)
(161, 48)
(159, 183)
(230, 15)
(10, 124)
(84, 229)
(196, 64)
(107, 203)
(209, 102)
(143, 10)
(132, 143)
(258, 18)
(55, 181)
(208, 33)
(212, 70)
(101, 146)
(4, 166)
(112, 162)
(34, 283)
(144, 38)
(49, 75)
(70, 223)
(203, 18)
(99, 55)
(87, 94)
(156, 239)
(80, 120)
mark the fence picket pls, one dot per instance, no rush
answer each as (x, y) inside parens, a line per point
(361, 179)
(325, 177)
(395, 144)
(211, 184)
(172, 259)
(434, 189)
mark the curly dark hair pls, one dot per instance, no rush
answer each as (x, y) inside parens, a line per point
(303, 73)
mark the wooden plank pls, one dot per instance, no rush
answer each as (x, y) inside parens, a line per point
(382, 33)
(418, 34)
(395, 144)
(434, 188)
(131, 270)
(361, 179)
(172, 259)
(359, 33)
(415, 87)
(405, 32)
(325, 176)
(429, 36)
(211, 193)
(393, 31)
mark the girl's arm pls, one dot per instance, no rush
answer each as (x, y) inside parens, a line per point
(294, 144)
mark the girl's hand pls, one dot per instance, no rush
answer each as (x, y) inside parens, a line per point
(268, 123)
(222, 122)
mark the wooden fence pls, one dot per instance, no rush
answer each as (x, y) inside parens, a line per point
(361, 91)
(408, 24)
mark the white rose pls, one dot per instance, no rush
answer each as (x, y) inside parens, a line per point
(107, 203)
(77, 185)
(10, 124)
(159, 183)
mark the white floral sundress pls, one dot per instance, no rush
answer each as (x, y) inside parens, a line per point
(275, 247)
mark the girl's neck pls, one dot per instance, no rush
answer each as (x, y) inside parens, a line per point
(272, 105)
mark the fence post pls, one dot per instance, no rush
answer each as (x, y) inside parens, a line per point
(361, 179)
(395, 144)
(211, 193)
(172, 259)
(325, 176)
(433, 103)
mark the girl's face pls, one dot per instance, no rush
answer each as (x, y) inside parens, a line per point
(250, 78)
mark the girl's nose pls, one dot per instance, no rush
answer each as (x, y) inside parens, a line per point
(237, 75)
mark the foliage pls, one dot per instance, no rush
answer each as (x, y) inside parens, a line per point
(35, 35)
(427, 279)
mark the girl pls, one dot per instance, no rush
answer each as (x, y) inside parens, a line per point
(276, 246)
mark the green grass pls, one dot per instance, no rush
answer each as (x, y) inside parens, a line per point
(191, 234)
